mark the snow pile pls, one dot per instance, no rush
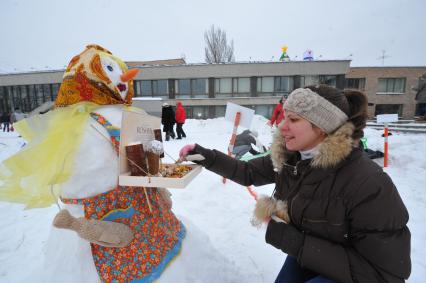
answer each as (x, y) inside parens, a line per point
(218, 214)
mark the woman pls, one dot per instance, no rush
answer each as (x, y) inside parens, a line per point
(180, 120)
(346, 220)
(168, 121)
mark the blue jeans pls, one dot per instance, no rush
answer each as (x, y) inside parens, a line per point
(292, 272)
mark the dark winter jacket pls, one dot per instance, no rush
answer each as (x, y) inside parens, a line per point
(167, 118)
(350, 212)
(180, 113)
(5, 118)
(245, 138)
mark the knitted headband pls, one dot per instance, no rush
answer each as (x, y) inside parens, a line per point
(316, 109)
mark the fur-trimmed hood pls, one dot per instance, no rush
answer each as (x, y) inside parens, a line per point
(335, 147)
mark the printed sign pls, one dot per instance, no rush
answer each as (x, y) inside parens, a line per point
(387, 118)
(246, 114)
(136, 126)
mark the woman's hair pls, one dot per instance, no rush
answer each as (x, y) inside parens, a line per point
(353, 103)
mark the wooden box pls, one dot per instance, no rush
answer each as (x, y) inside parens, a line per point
(162, 182)
(138, 126)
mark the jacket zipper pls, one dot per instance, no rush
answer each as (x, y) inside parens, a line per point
(297, 194)
(291, 208)
(294, 167)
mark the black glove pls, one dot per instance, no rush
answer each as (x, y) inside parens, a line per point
(207, 156)
(284, 237)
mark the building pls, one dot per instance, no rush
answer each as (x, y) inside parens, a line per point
(204, 89)
(391, 90)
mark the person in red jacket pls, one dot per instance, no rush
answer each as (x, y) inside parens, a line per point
(180, 120)
(278, 113)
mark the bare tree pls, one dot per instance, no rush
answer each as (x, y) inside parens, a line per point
(217, 49)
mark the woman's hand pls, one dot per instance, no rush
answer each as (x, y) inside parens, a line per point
(188, 153)
(285, 237)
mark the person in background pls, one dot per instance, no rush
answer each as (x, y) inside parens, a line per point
(1, 121)
(334, 212)
(244, 142)
(5, 121)
(168, 121)
(277, 114)
(180, 120)
(17, 116)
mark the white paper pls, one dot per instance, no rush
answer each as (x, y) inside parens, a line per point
(136, 126)
(246, 114)
(387, 118)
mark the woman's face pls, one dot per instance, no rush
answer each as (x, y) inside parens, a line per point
(299, 134)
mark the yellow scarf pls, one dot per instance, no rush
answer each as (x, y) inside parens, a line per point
(85, 80)
(33, 175)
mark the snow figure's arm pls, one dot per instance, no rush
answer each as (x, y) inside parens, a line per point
(103, 233)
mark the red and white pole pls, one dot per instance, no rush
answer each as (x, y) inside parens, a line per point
(231, 147)
(386, 134)
(233, 137)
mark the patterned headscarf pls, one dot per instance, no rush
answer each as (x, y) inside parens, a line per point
(85, 80)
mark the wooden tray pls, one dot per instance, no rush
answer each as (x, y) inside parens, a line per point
(161, 182)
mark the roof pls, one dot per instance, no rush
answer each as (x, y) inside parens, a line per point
(134, 64)
(387, 67)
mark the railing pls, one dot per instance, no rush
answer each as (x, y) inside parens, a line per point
(411, 126)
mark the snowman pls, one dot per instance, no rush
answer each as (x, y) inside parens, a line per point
(103, 232)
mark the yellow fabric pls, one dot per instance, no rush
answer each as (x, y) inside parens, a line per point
(85, 80)
(45, 162)
(30, 176)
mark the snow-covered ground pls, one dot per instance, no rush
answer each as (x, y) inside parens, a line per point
(221, 211)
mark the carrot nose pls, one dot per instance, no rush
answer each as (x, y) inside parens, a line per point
(130, 74)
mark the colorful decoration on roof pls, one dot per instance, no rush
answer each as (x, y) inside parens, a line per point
(308, 55)
(284, 56)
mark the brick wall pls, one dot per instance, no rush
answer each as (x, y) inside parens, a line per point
(372, 74)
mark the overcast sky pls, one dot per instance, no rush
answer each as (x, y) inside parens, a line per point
(45, 34)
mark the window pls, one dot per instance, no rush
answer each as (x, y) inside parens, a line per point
(137, 88)
(264, 110)
(200, 112)
(3, 100)
(160, 88)
(183, 89)
(283, 85)
(55, 90)
(199, 88)
(154, 88)
(16, 97)
(25, 101)
(195, 88)
(309, 80)
(223, 87)
(420, 109)
(355, 83)
(392, 85)
(228, 87)
(146, 88)
(265, 86)
(39, 94)
(388, 109)
(46, 93)
(33, 96)
(241, 85)
(328, 80)
(219, 110)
